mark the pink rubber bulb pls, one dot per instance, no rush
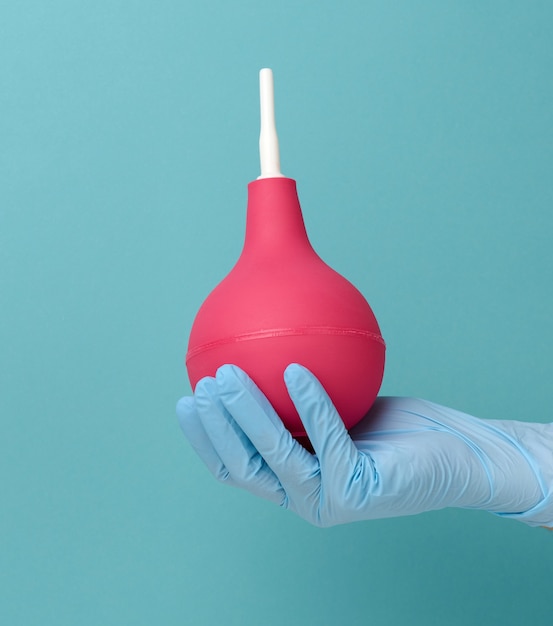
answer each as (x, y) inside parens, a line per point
(281, 304)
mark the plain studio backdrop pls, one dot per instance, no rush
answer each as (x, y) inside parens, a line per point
(420, 134)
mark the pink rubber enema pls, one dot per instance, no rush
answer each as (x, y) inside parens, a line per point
(282, 304)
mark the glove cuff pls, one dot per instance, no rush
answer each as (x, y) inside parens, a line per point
(540, 515)
(537, 441)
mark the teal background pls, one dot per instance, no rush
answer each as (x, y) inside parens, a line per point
(420, 134)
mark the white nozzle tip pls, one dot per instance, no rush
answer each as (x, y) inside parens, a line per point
(268, 139)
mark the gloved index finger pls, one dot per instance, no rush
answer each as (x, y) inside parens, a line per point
(326, 431)
(291, 463)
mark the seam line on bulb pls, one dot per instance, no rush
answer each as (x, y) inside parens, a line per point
(286, 332)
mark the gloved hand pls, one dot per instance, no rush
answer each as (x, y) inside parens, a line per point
(405, 457)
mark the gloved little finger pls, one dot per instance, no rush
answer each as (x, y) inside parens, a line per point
(245, 466)
(194, 431)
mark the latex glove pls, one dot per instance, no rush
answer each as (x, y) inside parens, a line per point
(405, 457)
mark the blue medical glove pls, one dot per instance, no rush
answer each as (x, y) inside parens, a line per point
(405, 457)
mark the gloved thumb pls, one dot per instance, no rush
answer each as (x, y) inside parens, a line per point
(325, 429)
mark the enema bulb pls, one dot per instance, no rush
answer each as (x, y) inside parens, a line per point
(282, 304)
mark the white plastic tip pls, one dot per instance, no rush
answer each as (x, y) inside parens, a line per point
(268, 141)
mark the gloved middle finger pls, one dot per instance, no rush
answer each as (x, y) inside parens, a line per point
(244, 463)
